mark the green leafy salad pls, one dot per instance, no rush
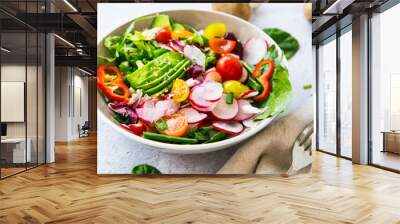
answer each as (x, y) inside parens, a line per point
(175, 84)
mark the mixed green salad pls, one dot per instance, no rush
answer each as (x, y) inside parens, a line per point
(174, 84)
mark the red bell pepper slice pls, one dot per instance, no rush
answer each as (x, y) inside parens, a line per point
(264, 78)
(136, 129)
(111, 82)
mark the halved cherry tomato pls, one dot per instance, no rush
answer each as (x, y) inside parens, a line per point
(177, 125)
(229, 67)
(163, 36)
(222, 46)
(181, 34)
(111, 82)
(180, 90)
(264, 78)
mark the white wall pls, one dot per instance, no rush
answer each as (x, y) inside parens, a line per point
(33, 127)
(71, 102)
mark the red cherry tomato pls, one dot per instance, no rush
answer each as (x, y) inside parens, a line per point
(163, 36)
(229, 67)
(222, 46)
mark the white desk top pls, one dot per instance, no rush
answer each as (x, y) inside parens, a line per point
(13, 140)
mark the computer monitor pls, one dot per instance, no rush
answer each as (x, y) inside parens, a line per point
(3, 129)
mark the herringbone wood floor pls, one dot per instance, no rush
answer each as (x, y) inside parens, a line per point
(69, 191)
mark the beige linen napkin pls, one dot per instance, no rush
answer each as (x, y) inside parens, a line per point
(272, 150)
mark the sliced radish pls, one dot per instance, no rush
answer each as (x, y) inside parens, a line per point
(192, 82)
(230, 127)
(243, 115)
(249, 109)
(254, 50)
(249, 123)
(195, 55)
(192, 115)
(196, 98)
(168, 107)
(224, 111)
(204, 109)
(245, 76)
(249, 94)
(211, 91)
(149, 114)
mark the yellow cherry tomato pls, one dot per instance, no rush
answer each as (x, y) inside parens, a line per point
(177, 125)
(180, 34)
(235, 87)
(215, 30)
(180, 90)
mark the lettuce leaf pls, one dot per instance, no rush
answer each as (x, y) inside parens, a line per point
(280, 96)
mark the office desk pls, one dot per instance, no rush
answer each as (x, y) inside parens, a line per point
(16, 147)
(391, 141)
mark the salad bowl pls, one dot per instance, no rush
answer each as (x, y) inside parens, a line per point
(198, 19)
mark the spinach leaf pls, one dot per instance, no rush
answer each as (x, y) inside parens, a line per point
(280, 95)
(145, 169)
(204, 134)
(285, 40)
(216, 137)
(121, 119)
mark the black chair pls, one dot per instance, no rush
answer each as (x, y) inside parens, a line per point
(84, 130)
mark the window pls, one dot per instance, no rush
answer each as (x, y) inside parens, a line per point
(346, 93)
(385, 89)
(327, 97)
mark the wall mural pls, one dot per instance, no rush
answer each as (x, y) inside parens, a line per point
(204, 88)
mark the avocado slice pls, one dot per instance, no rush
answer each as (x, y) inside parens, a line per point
(139, 76)
(162, 21)
(178, 26)
(177, 73)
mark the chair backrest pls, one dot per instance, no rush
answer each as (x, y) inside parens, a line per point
(86, 125)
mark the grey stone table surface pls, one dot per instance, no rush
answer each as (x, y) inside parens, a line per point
(117, 154)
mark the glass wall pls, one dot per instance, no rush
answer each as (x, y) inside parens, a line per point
(22, 92)
(385, 89)
(346, 93)
(327, 96)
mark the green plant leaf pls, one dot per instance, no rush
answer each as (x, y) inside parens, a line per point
(307, 86)
(285, 41)
(280, 95)
(145, 169)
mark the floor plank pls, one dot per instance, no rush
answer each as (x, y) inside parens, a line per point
(70, 191)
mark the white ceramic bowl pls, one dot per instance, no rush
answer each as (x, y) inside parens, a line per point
(198, 19)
